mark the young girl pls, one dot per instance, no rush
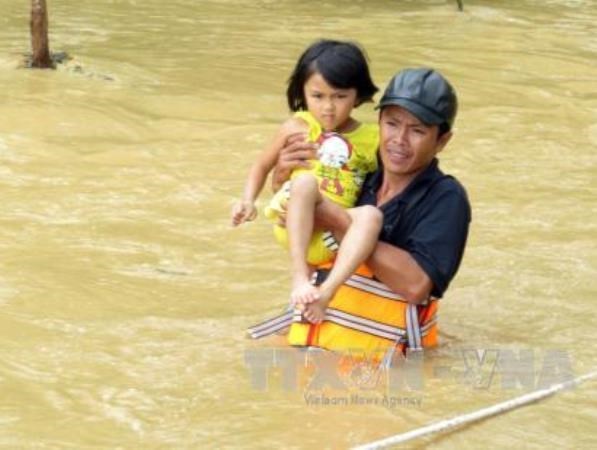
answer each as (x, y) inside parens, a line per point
(329, 80)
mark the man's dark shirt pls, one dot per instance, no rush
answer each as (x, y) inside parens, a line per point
(429, 219)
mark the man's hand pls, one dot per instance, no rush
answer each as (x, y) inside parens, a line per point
(243, 211)
(295, 154)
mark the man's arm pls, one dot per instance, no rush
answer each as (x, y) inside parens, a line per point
(398, 270)
(429, 257)
(394, 267)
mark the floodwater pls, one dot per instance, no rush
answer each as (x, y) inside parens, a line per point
(124, 293)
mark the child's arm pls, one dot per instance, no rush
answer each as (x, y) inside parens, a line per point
(244, 210)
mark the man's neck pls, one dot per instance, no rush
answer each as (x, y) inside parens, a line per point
(393, 185)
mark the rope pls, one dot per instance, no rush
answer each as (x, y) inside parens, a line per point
(457, 421)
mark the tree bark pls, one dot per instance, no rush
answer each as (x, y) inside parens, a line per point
(40, 45)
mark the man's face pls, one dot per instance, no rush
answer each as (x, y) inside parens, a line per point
(407, 145)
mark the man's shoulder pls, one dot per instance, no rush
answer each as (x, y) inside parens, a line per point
(449, 183)
(448, 192)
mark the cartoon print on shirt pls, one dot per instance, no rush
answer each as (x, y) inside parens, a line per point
(333, 153)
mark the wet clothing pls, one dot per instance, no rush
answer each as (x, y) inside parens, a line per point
(429, 219)
(343, 162)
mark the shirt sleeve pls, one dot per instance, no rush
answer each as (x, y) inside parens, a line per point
(439, 237)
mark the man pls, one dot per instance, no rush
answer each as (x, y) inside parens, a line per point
(392, 300)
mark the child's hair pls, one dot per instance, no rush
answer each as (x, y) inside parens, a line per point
(342, 64)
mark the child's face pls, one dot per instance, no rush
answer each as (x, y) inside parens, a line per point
(329, 105)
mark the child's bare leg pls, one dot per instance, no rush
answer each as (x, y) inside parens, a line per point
(357, 245)
(304, 197)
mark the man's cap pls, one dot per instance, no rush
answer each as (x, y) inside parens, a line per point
(423, 92)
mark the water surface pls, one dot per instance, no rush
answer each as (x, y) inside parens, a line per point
(124, 293)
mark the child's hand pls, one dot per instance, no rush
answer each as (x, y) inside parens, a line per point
(243, 211)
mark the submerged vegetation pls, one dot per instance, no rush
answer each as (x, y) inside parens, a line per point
(40, 56)
(40, 43)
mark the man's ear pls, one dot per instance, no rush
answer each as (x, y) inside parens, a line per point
(443, 140)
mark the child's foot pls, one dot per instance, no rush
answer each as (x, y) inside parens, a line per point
(315, 312)
(304, 293)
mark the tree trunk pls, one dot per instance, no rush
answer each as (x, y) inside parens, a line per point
(39, 35)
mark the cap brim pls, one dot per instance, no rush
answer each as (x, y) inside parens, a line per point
(422, 113)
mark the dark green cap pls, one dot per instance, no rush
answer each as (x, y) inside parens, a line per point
(423, 92)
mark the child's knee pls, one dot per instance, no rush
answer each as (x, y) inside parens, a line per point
(304, 183)
(369, 215)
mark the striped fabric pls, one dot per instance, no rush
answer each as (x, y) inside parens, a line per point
(411, 336)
